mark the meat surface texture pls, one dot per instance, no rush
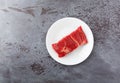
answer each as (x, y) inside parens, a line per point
(70, 42)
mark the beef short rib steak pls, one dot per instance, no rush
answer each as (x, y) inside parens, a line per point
(70, 42)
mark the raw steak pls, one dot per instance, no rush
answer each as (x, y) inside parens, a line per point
(70, 42)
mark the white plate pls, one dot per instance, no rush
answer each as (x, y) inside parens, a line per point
(62, 28)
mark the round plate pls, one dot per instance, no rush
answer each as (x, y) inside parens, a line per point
(60, 29)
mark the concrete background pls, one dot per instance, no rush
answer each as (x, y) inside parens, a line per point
(23, 54)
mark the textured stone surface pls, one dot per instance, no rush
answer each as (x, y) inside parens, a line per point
(23, 54)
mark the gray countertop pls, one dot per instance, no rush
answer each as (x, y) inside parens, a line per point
(23, 54)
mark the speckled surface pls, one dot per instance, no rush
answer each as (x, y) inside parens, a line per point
(23, 54)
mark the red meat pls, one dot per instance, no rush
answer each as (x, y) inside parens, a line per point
(70, 42)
